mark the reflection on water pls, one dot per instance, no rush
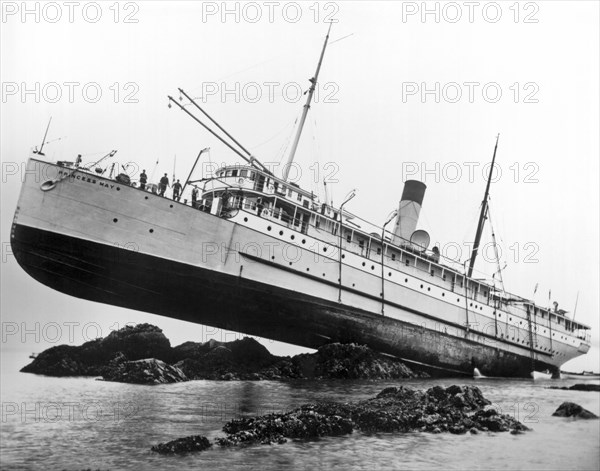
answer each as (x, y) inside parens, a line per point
(80, 423)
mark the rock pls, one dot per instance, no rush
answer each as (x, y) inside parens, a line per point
(570, 409)
(147, 371)
(137, 342)
(351, 361)
(579, 387)
(244, 359)
(62, 360)
(183, 445)
(392, 410)
(89, 359)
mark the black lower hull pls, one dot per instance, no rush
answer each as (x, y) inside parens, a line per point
(120, 277)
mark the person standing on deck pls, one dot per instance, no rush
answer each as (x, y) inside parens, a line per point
(195, 198)
(176, 191)
(164, 183)
(143, 180)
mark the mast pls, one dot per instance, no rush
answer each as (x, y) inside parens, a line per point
(311, 91)
(192, 170)
(39, 152)
(483, 215)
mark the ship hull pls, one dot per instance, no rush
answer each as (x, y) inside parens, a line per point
(129, 279)
(99, 240)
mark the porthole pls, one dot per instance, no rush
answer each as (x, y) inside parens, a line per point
(304, 241)
(421, 286)
(323, 274)
(372, 267)
(390, 273)
(343, 255)
(471, 304)
(245, 219)
(272, 257)
(118, 189)
(268, 228)
(353, 285)
(429, 288)
(151, 231)
(170, 206)
(457, 300)
(115, 220)
(443, 294)
(363, 264)
(290, 264)
(145, 197)
(280, 232)
(292, 237)
(308, 269)
(324, 249)
(405, 280)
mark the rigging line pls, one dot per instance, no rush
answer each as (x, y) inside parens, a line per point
(272, 137)
(283, 149)
(214, 122)
(500, 278)
(341, 39)
(317, 153)
(233, 74)
(212, 180)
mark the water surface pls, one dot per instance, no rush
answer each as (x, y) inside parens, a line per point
(80, 423)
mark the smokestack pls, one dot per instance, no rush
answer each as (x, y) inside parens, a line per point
(408, 212)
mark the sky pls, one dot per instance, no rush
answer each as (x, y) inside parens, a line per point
(407, 90)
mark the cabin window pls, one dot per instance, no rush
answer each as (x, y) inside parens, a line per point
(252, 176)
(361, 243)
(244, 173)
(394, 257)
(305, 203)
(299, 198)
(348, 237)
(228, 173)
(234, 173)
(290, 193)
(378, 250)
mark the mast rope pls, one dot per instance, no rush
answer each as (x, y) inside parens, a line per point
(256, 146)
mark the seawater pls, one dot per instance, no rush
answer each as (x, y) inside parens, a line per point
(81, 423)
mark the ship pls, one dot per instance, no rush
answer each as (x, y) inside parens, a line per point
(257, 254)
